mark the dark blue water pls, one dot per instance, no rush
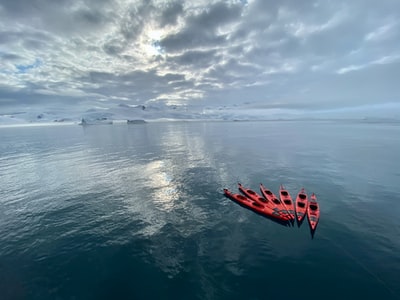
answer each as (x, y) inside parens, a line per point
(137, 211)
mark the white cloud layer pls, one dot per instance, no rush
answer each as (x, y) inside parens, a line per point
(301, 55)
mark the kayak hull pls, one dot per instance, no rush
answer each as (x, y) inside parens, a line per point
(301, 205)
(268, 194)
(264, 201)
(253, 205)
(253, 195)
(287, 201)
(313, 212)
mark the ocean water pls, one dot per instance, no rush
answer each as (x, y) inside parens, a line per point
(137, 211)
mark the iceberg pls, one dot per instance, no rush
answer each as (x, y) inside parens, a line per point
(139, 121)
(101, 121)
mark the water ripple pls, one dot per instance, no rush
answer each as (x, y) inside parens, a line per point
(120, 210)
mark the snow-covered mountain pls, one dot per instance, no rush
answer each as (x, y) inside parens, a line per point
(122, 112)
(119, 112)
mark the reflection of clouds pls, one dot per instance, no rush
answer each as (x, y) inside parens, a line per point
(188, 142)
(164, 190)
(174, 182)
(152, 183)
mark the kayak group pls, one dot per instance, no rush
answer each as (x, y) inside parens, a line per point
(282, 209)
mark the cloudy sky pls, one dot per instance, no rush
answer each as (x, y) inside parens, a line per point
(289, 54)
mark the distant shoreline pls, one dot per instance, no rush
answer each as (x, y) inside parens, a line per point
(170, 120)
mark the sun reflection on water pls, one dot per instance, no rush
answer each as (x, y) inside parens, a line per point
(160, 180)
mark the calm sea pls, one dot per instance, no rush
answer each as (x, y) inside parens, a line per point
(137, 211)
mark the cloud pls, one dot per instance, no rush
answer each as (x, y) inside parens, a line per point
(280, 54)
(388, 59)
(383, 32)
(170, 14)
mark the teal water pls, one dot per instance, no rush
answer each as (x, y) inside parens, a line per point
(137, 211)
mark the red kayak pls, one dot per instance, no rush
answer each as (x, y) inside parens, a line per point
(287, 201)
(253, 195)
(313, 212)
(301, 205)
(254, 205)
(256, 197)
(269, 195)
